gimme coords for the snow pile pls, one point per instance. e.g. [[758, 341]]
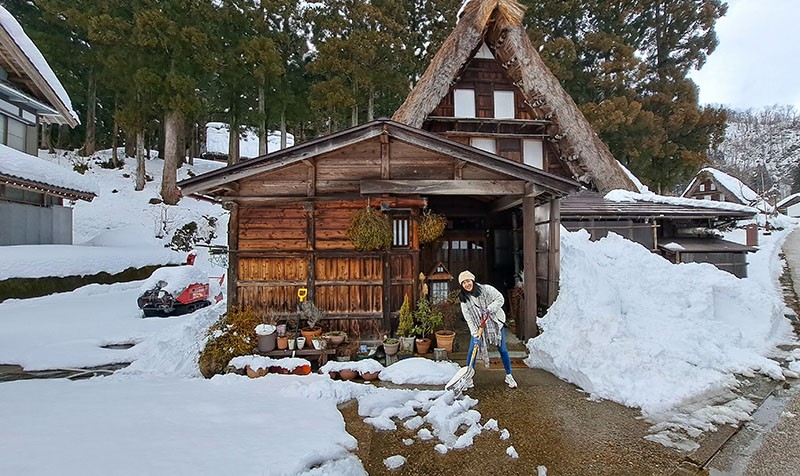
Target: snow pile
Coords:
[[360, 366], [394, 462], [419, 371], [258, 362], [631, 327]]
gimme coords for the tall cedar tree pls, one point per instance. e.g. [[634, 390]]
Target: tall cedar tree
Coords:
[[626, 63]]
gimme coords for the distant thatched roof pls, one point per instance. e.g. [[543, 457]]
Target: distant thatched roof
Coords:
[[498, 23]]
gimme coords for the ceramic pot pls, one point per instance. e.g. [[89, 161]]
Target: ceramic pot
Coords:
[[370, 375], [347, 374], [291, 343], [301, 342], [319, 344], [282, 342], [423, 345], [444, 340], [335, 339], [309, 332], [391, 349], [266, 343], [407, 343]]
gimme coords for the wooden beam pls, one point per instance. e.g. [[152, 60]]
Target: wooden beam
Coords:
[[233, 256], [385, 154], [505, 203], [529, 327], [444, 187]]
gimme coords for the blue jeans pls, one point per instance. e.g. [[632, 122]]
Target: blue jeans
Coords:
[[500, 348]]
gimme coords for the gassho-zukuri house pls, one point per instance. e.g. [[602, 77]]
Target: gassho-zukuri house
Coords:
[[487, 138]]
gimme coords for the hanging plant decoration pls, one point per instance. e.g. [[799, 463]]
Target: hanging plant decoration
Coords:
[[370, 230], [431, 227]]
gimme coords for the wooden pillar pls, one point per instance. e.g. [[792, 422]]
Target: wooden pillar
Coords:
[[233, 253], [554, 252], [529, 327], [387, 290]]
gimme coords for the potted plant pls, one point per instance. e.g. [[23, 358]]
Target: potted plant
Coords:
[[319, 341], [391, 345], [450, 308], [312, 315], [427, 318], [405, 329], [335, 337]]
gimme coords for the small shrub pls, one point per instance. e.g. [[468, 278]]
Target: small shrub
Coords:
[[80, 165], [406, 326], [231, 336], [187, 236]]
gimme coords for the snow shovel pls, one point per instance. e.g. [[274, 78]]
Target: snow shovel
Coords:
[[463, 377]]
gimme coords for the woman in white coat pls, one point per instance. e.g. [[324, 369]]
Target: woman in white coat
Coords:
[[476, 300]]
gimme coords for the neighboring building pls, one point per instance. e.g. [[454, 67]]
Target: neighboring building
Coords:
[[715, 185], [32, 191], [680, 229], [790, 205]]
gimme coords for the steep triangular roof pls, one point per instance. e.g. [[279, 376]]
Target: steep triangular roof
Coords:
[[735, 188], [498, 23]]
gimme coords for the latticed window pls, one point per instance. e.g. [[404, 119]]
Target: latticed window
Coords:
[[400, 231]]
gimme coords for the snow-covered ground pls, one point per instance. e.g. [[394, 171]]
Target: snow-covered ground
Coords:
[[627, 327]]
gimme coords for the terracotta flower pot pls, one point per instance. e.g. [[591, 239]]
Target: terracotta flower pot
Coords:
[[255, 373], [423, 345], [370, 375], [444, 340], [348, 374], [335, 339], [309, 332], [282, 342]]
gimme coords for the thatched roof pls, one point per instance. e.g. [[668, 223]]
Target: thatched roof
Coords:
[[498, 23]]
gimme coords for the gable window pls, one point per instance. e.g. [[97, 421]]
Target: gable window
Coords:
[[711, 186], [484, 52], [464, 100], [533, 153], [484, 143], [702, 187], [504, 105]]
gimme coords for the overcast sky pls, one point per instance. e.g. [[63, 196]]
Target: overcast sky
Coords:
[[757, 62]]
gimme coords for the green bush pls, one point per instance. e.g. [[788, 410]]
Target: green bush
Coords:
[[232, 335]]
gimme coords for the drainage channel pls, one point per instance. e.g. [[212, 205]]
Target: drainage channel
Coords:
[[10, 373]]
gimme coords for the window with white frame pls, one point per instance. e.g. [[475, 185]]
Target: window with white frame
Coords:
[[464, 102], [504, 105], [533, 153], [484, 143]]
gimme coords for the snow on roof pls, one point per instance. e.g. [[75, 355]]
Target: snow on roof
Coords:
[[28, 167], [217, 140], [736, 186], [791, 198], [639, 185], [29, 49], [628, 196]]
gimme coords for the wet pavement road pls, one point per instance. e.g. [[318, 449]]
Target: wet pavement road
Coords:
[[551, 422]]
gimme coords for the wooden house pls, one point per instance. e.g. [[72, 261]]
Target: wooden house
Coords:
[[790, 205], [290, 212], [717, 186], [34, 194]]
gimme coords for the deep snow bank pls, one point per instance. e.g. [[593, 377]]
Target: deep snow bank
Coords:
[[631, 327]]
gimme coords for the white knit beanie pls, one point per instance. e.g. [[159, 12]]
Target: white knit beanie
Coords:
[[465, 275]]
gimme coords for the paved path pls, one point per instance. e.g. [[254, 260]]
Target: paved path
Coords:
[[768, 445]]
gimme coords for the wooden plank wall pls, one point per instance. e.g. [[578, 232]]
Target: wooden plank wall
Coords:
[[276, 257]]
